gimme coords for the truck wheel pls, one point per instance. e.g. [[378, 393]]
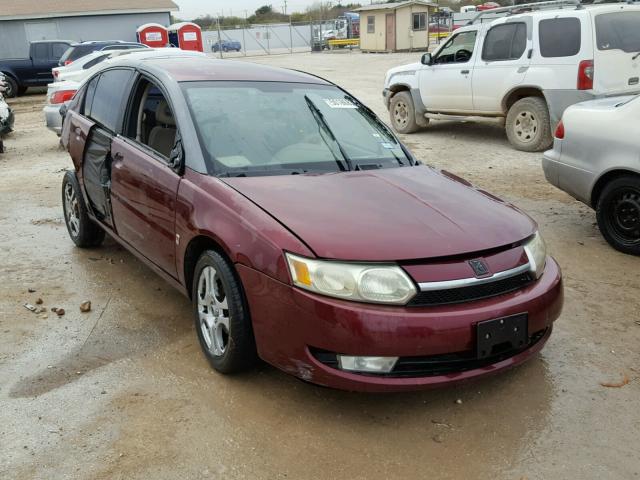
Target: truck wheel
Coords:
[[618, 214], [221, 315], [403, 115], [528, 125], [82, 230], [12, 87]]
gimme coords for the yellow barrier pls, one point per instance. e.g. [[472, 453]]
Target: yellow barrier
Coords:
[[342, 42]]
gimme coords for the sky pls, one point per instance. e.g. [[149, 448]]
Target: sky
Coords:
[[190, 9]]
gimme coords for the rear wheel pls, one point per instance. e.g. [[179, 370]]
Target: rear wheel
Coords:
[[618, 214], [83, 231], [402, 113], [528, 125], [11, 87], [222, 317]]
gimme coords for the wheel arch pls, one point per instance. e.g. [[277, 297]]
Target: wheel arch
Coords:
[[195, 248], [518, 93], [607, 177]]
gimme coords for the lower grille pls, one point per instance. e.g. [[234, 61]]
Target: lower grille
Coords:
[[472, 292], [433, 365]]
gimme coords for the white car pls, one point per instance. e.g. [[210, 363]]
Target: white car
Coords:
[[61, 92], [596, 159], [525, 67]]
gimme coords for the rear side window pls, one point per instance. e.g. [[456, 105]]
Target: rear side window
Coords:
[[88, 99], [110, 93], [505, 42], [618, 31], [560, 37], [95, 61], [41, 51]]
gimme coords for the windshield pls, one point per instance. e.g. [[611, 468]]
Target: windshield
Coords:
[[618, 31], [272, 128]]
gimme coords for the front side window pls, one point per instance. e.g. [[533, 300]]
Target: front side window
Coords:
[[371, 24], [151, 121], [505, 42], [270, 128], [618, 31], [419, 21], [559, 37], [458, 49], [110, 93]]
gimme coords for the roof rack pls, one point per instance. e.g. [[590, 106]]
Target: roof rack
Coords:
[[526, 7]]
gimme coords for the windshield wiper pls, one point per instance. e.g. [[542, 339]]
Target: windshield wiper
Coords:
[[324, 129], [635, 56]]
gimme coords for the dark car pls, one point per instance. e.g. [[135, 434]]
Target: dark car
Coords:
[[303, 231], [79, 50], [226, 46], [35, 71]]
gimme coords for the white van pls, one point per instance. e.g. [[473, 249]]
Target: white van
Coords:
[[526, 67]]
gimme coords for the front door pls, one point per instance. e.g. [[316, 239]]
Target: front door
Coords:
[[445, 85], [390, 32], [143, 185]]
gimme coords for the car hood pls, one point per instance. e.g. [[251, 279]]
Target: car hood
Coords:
[[386, 215], [409, 69]]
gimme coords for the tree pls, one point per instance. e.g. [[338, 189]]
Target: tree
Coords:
[[264, 10]]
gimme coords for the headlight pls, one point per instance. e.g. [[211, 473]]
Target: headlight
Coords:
[[536, 250], [374, 283]]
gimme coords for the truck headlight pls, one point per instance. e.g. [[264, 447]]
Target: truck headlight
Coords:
[[375, 283], [536, 251]]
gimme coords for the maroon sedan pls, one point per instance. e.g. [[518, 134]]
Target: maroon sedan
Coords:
[[303, 231]]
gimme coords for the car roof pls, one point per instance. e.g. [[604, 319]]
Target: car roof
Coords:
[[202, 68]]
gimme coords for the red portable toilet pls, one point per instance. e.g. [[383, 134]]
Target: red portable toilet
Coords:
[[153, 35], [186, 35]]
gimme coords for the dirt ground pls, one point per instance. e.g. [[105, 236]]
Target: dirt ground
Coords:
[[123, 392]]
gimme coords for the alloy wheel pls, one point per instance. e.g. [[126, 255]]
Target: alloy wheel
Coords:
[[213, 311], [71, 210]]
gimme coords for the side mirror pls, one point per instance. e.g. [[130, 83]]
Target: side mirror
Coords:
[[426, 59], [176, 157]]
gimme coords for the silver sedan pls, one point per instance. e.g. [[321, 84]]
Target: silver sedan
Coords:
[[596, 159]]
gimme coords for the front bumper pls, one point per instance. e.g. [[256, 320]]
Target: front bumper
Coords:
[[289, 323], [53, 118]]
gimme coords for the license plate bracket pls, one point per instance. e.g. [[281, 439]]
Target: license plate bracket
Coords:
[[501, 334]]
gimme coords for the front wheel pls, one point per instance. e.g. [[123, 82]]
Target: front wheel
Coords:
[[83, 231], [12, 88], [402, 113], [528, 125], [618, 214], [221, 315]]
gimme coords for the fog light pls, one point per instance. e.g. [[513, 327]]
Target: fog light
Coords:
[[367, 364]]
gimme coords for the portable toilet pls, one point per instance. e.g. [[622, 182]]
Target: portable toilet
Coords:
[[186, 35], [153, 35]]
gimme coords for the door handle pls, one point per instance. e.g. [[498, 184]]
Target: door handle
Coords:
[[78, 131], [464, 72], [118, 157]]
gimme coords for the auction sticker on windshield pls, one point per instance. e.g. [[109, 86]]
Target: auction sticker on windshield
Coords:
[[339, 103]]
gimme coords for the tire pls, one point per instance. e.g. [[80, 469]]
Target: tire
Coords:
[[528, 125], [84, 232], [618, 214], [221, 315], [12, 87], [402, 113], [225, 49]]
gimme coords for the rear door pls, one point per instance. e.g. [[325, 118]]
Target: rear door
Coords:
[[616, 62], [502, 63], [144, 186]]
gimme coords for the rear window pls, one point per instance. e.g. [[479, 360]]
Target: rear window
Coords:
[[560, 37], [58, 49], [618, 31], [505, 42], [41, 50], [109, 95], [81, 51]]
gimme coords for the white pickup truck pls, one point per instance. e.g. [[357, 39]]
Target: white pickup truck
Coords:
[[526, 66]]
